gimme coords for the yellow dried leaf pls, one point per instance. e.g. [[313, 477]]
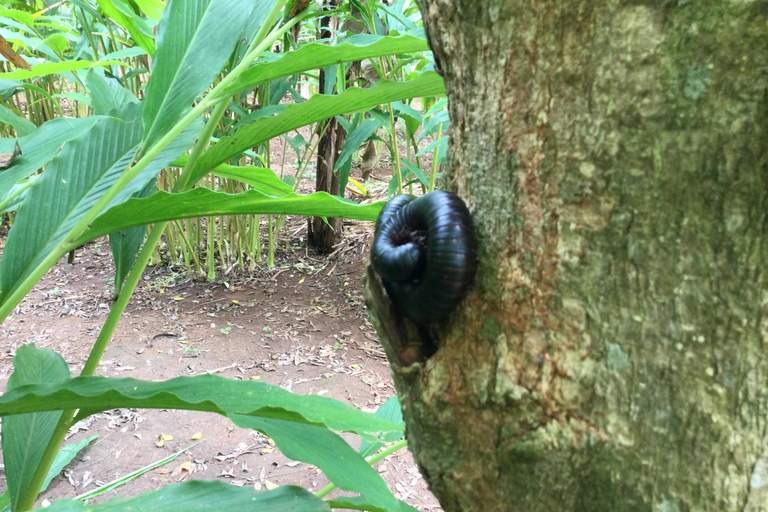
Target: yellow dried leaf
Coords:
[[166, 437], [267, 450], [197, 435], [186, 466], [160, 443], [270, 485]]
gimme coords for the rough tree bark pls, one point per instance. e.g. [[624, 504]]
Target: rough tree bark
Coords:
[[324, 235], [612, 354]]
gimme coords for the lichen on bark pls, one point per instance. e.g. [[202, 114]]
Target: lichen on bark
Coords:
[[611, 356]]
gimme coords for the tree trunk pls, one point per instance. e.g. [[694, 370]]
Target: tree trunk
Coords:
[[324, 235], [612, 353]]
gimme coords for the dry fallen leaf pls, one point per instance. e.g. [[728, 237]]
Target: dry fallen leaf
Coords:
[[270, 485], [197, 435], [186, 466]]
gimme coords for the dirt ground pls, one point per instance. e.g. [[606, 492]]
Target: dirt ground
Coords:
[[301, 325]]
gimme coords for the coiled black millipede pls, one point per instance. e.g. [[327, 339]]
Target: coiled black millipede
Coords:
[[424, 251]]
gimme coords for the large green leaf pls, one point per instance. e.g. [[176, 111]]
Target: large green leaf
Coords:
[[200, 393], [20, 124], [319, 55], [57, 199], [74, 180], [194, 40], [125, 244], [202, 202], [322, 448], [260, 178], [40, 146], [315, 109], [390, 411], [128, 24], [152, 8], [204, 496], [52, 68], [106, 94], [26, 436]]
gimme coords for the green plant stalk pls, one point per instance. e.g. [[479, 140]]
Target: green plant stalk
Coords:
[[210, 226], [418, 161], [373, 460], [396, 151], [89, 34], [435, 155], [301, 169], [271, 253], [28, 500], [256, 238], [189, 249], [65, 421], [16, 194], [66, 245]]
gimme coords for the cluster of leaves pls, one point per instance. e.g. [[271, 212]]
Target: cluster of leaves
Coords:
[[100, 177]]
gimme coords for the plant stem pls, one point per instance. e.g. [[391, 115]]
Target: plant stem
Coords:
[[435, 156], [28, 500], [212, 99], [396, 149], [373, 460]]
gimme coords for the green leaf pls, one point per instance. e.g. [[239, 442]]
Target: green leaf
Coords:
[[202, 202], [64, 457], [194, 40], [26, 436], [73, 181], [20, 124], [54, 68], [360, 503], [322, 448], [260, 178], [128, 24], [152, 8], [315, 109], [204, 496], [199, 393], [125, 244], [12, 200], [40, 146], [390, 411], [352, 143], [319, 55], [413, 168], [107, 95], [63, 193]]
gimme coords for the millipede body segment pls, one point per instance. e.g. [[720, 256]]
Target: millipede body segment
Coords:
[[424, 251]]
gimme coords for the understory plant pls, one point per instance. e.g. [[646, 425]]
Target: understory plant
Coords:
[[99, 178]]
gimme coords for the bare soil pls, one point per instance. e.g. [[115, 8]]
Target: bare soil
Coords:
[[301, 325]]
